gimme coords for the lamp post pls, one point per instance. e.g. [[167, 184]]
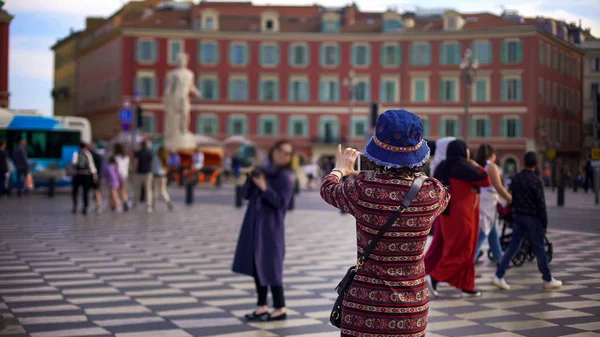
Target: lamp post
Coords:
[[350, 84], [468, 68]]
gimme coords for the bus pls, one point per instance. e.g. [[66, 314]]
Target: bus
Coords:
[[50, 144]]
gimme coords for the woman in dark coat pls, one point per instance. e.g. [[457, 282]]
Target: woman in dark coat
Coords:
[[261, 244]]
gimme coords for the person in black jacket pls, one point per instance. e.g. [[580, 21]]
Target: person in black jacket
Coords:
[[21, 161], [529, 219], [96, 183]]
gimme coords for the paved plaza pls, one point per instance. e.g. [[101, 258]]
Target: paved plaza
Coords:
[[168, 274]]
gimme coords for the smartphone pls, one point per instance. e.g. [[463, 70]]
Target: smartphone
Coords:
[[363, 164]]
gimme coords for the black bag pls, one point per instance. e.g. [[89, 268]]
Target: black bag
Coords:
[[336, 313]]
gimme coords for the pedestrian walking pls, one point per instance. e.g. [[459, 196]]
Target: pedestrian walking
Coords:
[[123, 168], [113, 181], [160, 166], [174, 166], [529, 220], [261, 244], [97, 183], [388, 296], [143, 178], [434, 253], [198, 163], [4, 169], [21, 162], [460, 221], [589, 175], [85, 175], [488, 202]]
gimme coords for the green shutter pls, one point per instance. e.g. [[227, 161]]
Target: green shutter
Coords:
[[276, 52], [276, 91], [519, 90], [488, 127], [322, 91], [216, 90], [504, 55], [413, 58], [428, 54], [153, 51], [368, 56], [291, 97], [382, 55], [519, 127], [457, 128], [398, 55], [337, 55], [490, 54], [457, 52], [503, 90], [442, 127], [216, 52], [322, 57], [443, 54], [261, 90], [307, 54], [368, 93], [231, 58], [382, 93], [138, 51], [246, 52], [336, 93], [472, 127], [475, 49], [480, 91], [519, 51], [426, 128], [420, 91], [262, 54], [291, 54], [442, 91], [304, 92], [353, 55], [452, 91], [503, 127]]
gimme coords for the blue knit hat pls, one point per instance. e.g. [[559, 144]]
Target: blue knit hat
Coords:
[[398, 141]]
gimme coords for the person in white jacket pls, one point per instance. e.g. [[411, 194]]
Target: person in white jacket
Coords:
[[123, 168], [85, 174]]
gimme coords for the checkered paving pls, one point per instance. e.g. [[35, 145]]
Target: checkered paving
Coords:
[[168, 274]]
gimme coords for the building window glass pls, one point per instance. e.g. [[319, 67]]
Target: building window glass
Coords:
[[208, 53], [238, 54], [359, 128], [268, 126], [298, 127], [391, 55], [388, 91], [146, 86], [209, 24], [512, 90], [480, 91], [482, 52], [329, 91], [269, 55], [209, 89], [175, 48], [148, 122], [449, 127], [329, 130], [238, 90], [420, 54], [207, 125], [511, 128], [269, 91], [361, 55], [146, 51], [237, 126], [330, 26], [298, 55], [512, 52], [420, 90], [362, 91], [298, 91], [448, 91], [541, 52], [595, 64], [450, 54], [480, 128], [392, 25], [330, 55]]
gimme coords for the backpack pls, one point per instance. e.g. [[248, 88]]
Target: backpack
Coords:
[[83, 162]]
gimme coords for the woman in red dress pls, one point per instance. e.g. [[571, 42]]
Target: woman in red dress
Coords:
[[460, 221], [389, 294]]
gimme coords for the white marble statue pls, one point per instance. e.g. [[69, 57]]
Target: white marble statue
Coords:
[[176, 99]]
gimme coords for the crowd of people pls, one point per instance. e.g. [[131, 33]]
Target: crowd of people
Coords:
[[96, 170], [460, 200]]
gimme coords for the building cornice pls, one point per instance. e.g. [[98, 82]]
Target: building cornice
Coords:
[[561, 42], [5, 17], [350, 37]]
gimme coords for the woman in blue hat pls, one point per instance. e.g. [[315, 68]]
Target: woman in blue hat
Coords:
[[389, 294]]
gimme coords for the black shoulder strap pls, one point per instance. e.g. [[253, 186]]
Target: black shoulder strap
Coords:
[[408, 198]]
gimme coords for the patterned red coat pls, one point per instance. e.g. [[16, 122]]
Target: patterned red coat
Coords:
[[389, 295]]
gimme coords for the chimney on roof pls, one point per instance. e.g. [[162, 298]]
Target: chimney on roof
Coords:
[[350, 14]]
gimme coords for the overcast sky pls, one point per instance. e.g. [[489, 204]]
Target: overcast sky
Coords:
[[39, 23]]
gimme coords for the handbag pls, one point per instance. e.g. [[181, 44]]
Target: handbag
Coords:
[[342, 288]]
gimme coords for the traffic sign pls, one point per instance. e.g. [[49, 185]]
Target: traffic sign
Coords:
[[551, 154], [125, 127], [596, 153], [126, 115]]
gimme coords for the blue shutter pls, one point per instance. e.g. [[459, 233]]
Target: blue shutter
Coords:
[[443, 54], [519, 127], [503, 90], [216, 53], [443, 127], [246, 53], [519, 90], [488, 128], [153, 51], [503, 127]]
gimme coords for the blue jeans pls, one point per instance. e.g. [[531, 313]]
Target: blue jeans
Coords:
[[493, 240], [532, 227]]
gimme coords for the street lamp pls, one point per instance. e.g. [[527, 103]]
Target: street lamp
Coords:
[[350, 84], [468, 68]]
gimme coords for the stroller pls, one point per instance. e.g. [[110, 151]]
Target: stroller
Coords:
[[505, 215]]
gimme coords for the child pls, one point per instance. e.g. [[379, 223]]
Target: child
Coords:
[[113, 181], [530, 219]]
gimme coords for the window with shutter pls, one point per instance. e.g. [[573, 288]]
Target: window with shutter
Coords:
[[146, 51], [269, 55], [362, 91], [175, 48], [207, 125], [238, 90], [419, 91]]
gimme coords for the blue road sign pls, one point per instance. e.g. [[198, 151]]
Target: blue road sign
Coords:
[[125, 127], [126, 115]]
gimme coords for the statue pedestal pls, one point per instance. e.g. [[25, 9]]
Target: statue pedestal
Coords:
[[185, 141]]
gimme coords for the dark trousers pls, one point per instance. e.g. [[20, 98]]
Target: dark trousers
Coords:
[[82, 181], [276, 291], [21, 176], [530, 226], [589, 181], [3, 189]]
